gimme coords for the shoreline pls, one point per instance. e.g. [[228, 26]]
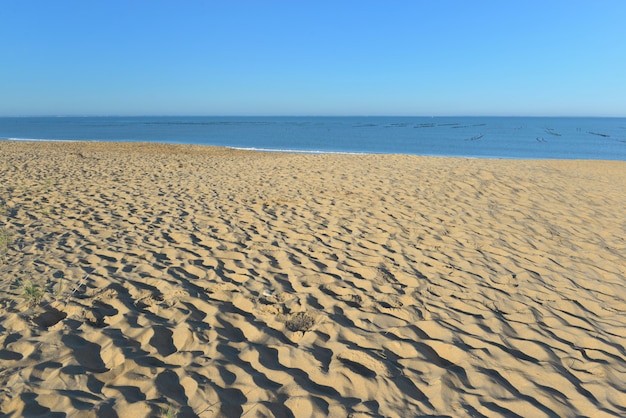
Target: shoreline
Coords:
[[295, 151], [203, 278]]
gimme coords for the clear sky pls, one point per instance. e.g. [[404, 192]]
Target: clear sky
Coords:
[[292, 57]]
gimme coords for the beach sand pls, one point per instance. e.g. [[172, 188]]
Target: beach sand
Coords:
[[217, 282]]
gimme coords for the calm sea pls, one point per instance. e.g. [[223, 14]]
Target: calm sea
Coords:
[[493, 137]]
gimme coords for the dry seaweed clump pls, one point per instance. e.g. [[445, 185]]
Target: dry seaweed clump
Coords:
[[300, 321]]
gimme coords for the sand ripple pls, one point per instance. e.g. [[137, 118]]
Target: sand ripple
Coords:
[[222, 283]]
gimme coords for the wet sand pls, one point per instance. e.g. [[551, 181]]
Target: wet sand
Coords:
[[215, 282]]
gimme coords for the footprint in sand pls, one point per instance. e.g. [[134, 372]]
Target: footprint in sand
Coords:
[[86, 353], [162, 340], [49, 318], [366, 365]]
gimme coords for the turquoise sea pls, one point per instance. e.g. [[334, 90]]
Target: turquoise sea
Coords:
[[492, 137]]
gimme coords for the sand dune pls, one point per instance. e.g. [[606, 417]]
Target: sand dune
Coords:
[[216, 282]]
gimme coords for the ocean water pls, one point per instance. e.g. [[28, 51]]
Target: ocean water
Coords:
[[490, 137]]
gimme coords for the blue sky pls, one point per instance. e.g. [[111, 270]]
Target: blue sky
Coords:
[[267, 57]]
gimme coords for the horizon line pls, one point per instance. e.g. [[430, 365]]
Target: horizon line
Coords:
[[300, 116]]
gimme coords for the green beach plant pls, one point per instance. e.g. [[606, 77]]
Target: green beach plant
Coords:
[[170, 412], [59, 288], [5, 241], [32, 292]]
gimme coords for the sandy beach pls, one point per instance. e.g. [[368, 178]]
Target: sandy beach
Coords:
[[141, 280]]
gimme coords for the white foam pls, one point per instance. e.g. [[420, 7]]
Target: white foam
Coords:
[[40, 140], [294, 151]]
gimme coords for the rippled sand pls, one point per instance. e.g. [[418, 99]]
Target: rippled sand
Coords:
[[216, 282]]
